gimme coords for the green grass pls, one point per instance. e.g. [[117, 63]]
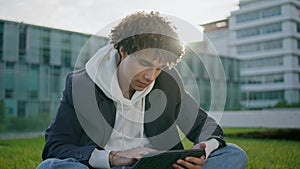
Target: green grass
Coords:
[[262, 153], [232, 131], [21, 153], [270, 154]]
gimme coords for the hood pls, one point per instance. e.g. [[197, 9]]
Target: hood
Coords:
[[102, 69]]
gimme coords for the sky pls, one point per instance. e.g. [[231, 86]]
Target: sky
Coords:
[[90, 16]]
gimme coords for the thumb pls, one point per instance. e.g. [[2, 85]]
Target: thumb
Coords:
[[203, 145]]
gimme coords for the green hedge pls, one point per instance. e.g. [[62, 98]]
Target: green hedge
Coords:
[[25, 124]]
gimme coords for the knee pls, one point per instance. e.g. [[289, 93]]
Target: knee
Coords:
[[47, 164], [54, 163], [239, 155]]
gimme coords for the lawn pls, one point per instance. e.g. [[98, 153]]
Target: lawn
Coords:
[[262, 153]]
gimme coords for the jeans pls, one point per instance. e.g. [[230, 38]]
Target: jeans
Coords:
[[229, 157]]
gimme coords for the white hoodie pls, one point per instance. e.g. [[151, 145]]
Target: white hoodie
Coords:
[[128, 131]]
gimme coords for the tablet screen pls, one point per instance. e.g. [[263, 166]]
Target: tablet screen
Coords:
[[165, 159]]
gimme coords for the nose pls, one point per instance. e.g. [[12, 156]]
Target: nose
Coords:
[[150, 74]]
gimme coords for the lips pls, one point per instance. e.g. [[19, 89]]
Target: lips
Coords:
[[142, 84]]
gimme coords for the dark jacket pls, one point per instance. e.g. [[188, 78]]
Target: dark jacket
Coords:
[[66, 137]]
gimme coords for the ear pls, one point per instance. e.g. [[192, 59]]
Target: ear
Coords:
[[122, 52]]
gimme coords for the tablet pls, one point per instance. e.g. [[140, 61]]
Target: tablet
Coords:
[[165, 159]]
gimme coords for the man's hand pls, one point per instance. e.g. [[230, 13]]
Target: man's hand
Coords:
[[191, 162], [128, 157]]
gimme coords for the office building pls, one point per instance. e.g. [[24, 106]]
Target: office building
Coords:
[[34, 61], [212, 71], [264, 36]]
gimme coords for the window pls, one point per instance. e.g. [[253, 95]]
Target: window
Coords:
[[264, 62], [248, 48], [265, 29], [298, 12], [45, 53], [44, 108], [259, 14], [22, 42], [45, 46], [56, 79], [274, 44], [9, 80], [34, 81], [248, 17], [263, 79], [21, 108], [66, 40], [266, 13], [271, 28], [248, 32], [66, 58], [1, 39], [255, 47], [66, 49], [268, 95]]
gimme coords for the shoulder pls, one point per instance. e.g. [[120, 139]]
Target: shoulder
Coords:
[[78, 80], [170, 79], [78, 75], [170, 83]]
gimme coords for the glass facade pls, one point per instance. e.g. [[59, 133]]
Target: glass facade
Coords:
[[33, 78], [1, 39], [259, 14], [9, 80], [262, 62], [45, 46], [204, 80], [260, 46], [22, 42], [263, 95], [260, 30], [264, 36], [33, 82], [263, 79]]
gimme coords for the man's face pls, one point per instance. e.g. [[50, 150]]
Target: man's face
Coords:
[[141, 68]]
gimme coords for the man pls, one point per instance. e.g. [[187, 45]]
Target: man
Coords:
[[128, 101]]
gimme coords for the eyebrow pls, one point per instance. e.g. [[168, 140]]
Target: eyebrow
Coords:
[[148, 63]]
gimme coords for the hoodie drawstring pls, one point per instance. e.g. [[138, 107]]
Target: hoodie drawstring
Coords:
[[122, 108], [142, 121]]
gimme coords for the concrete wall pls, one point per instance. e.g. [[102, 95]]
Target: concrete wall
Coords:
[[271, 118]]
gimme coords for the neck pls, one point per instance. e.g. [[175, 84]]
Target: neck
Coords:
[[124, 84]]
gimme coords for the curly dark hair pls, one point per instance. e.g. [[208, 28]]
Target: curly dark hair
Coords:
[[142, 30]]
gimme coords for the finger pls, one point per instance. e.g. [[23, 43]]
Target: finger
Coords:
[[187, 164], [176, 166], [196, 160], [202, 145]]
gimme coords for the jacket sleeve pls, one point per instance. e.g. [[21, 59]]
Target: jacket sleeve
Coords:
[[194, 121], [65, 134], [204, 127]]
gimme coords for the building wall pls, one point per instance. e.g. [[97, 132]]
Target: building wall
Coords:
[[209, 68], [261, 61], [264, 35], [34, 61], [217, 35]]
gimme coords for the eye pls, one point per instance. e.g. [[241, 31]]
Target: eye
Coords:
[[145, 63], [159, 69]]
